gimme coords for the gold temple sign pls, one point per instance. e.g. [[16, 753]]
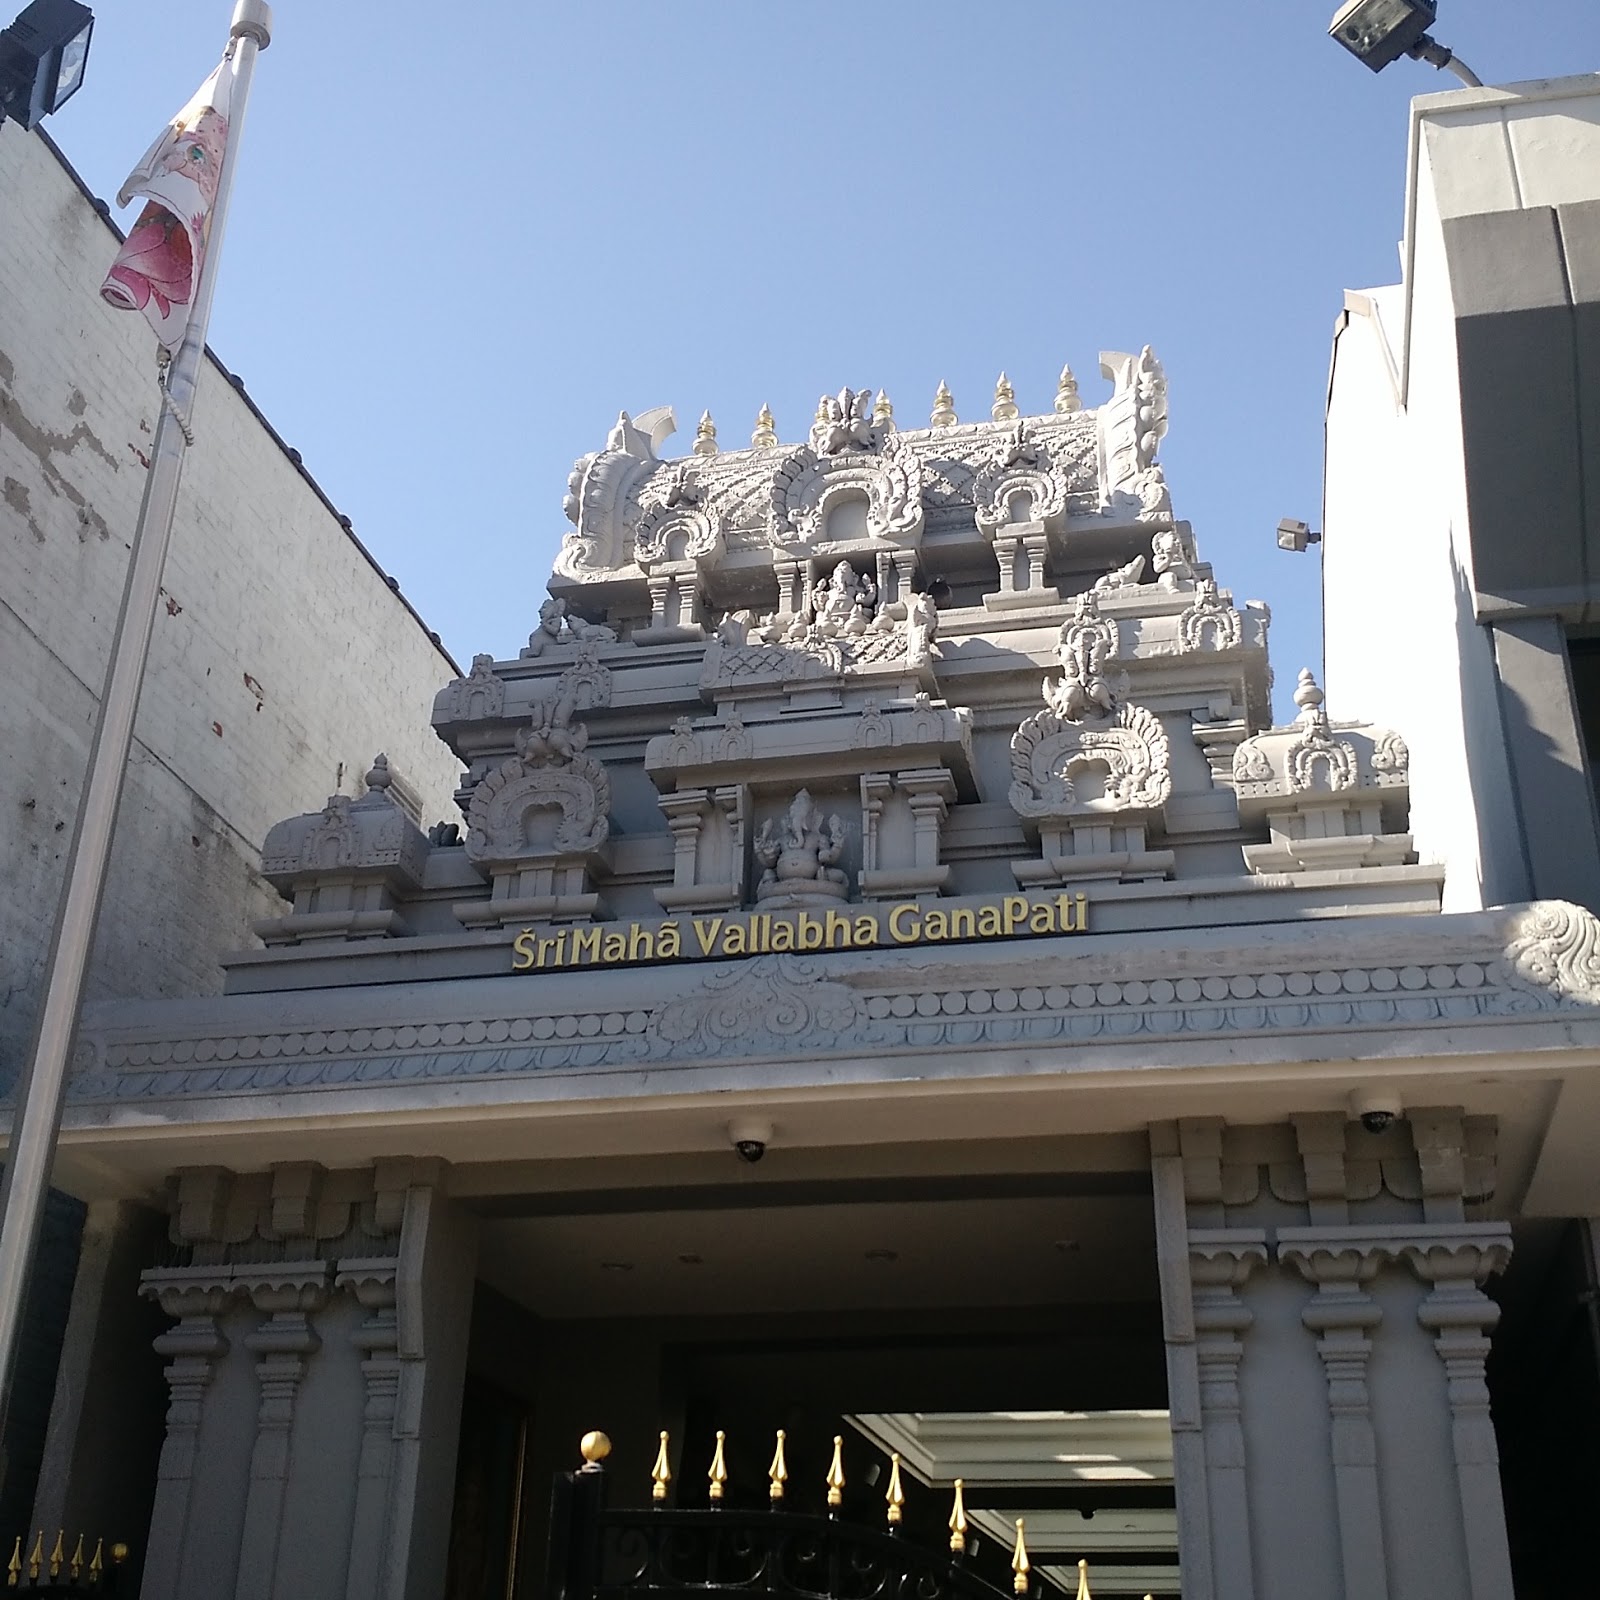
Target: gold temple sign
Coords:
[[908, 922]]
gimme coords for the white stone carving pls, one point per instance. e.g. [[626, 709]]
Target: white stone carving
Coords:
[[1127, 753], [807, 486], [1018, 482], [679, 526], [549, 773], [1123, 577], [1209, 624], [1170, 559], [844, 422], [1554, 950], [1088, 642], [799, 857], [556, 627], [479, 695]]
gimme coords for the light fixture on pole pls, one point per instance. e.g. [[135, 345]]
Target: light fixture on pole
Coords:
[[1380, 31], [42, 57], [1296, 536]]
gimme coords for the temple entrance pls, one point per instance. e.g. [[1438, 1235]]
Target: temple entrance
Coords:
[[1003, 1329]]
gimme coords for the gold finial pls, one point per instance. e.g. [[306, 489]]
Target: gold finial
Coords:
[[14, 1566], [705, 436], [119, 1554], [896, 1495], [766, 434], [96, 1564], [1083, 1582], [719, 1468], [835, 1478], [36, 1559], [1067, 398], [661, 1473], [77, 1558], [778, 1472], [59, 1553], [944, 407], [1020, 1565], [594, 1447], [1004, 408], [822, 409], [883, 411], [958, 1522]]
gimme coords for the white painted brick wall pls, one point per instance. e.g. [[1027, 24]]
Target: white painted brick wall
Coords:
[[280, 658]]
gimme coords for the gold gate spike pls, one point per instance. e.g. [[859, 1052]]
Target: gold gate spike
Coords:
[[77, 1559], [96, 1565], [14, 1566], [835, 1479], [1083, 1582], [1020, 1565], [59, 1554], [958, 1522], [36, 1560], [661, 1473], [719, 1468], [896, 1495], [778, 1472]]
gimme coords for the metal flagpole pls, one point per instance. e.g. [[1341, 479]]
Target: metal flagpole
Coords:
[[38, 1115]]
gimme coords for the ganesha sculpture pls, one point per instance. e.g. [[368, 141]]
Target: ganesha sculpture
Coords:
[[799, 857]]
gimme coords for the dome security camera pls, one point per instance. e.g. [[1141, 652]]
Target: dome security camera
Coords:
[[749, 1136], [1374, 1109]]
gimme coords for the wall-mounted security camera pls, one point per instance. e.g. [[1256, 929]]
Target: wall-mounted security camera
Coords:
[[750, 1137], [1374, 1109]]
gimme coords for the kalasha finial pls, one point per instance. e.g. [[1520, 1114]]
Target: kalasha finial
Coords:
[[1068, 399], [1020, 1565], [835, 1479], [896, 1497], [944, 407], [594, 1447], [661, 1473], [766, 434], [958, 1521], [1308, 696], [705, 436], [883, 411], [719, 1467], [379, 778], [778, 1472], [1004, 408]]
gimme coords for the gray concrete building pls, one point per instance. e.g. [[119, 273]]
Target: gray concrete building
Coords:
[[899, 1039]]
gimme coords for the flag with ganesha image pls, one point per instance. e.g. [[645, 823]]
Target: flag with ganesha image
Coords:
[[158, 265]]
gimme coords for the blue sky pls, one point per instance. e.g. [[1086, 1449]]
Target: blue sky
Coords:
[[463, 237]]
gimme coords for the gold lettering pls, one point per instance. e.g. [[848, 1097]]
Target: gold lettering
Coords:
[[1083, 912], [734, 941], [585, 943], [809, 933], [641, 943], [900, 933], [759, 934], [838, 922], [616, 947], [550, 945], [707, 933], [866, 929], [963, 923], [669, 943], [1013, 912], [561, 949], [1064, 911], [989, 922], [783, 935], [525, 955], [1042, 919], [935, 925]]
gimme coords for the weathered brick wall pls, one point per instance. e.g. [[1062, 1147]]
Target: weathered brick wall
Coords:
[[281, 661]]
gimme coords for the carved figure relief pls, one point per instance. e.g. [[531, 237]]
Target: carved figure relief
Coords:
[[1126, 757], [1087, 644], [557, 627], [1018, 482], [807, 486], [799, 857], [550, 799], [844, 422], [1170, 560], [1208, 624], [478, 695]]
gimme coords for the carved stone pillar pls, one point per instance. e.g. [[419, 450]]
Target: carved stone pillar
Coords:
[[196, 1297], [1341, 1262], [1034, 545], [372, 1282], [1453, 1262], [793, 591], [284, 1343], [1219, 1264], [660, 588]]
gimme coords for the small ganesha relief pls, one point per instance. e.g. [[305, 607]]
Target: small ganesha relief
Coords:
[[799, 858]]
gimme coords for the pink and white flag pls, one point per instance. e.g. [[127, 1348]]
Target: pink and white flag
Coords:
[[157, 267]]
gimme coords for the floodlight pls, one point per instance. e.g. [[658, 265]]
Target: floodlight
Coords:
[[1380, 31], [1296, 536], [42, 58]]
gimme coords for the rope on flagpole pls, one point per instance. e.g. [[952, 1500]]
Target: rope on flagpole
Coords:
[[168, 404]]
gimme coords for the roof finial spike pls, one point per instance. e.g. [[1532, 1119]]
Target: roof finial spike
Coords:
[[958, 1521], [1308, 696], [883, 411], [766, 434], [944, 407], [719, 1467], [778, 1472], [705, 436], [1005, 401], [835, 1478], [896, 1497], [1068, 399], [1083, 1582], [1020, 1565], [661, 1473]]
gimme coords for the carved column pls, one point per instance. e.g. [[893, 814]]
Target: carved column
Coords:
[[1005, 554], [284, 1343], [659, 587], [685, 813], [1219, 1264], [196, 1297], [372, 1282], [1460, 1316], [1034, 544], [1340, 1263]]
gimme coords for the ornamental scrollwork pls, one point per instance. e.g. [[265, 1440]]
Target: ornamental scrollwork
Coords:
[[1129, 754], [1018, 475], [806, 486]]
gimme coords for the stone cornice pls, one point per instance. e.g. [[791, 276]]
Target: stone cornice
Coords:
[[1409, 986]]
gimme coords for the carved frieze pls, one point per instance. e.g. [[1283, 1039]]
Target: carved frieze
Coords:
[[806, 487], [1018, 482], [1126, 756], [550, 799], [1209, 624]]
